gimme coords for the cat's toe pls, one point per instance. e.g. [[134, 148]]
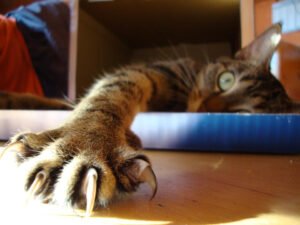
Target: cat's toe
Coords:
[[20, 151], [39, 174], [27, 145], [135, 171], [87, 183]]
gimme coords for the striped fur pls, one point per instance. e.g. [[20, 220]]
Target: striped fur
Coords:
[[255, 90], [97, 134]]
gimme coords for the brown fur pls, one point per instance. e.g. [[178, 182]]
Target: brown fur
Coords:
[[11, 100], [97, 134]]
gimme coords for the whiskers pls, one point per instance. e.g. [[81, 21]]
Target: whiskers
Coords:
[[163, 54], [185, 70], [189, 73], [205, 56]]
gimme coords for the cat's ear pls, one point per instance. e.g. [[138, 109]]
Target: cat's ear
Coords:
[[260, 51]]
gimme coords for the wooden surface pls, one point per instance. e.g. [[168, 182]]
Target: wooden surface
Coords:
[[195, 188]]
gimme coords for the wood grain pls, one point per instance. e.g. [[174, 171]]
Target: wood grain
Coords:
[[201, 188]]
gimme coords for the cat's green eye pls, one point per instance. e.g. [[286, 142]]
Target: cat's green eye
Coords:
[[226, 81]]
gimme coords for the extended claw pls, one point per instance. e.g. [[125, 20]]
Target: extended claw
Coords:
[[147, 175], [2, 152], [91, 190], [7, 148], [36, 185]]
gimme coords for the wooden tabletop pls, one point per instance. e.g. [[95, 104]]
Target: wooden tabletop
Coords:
[[195, 188]]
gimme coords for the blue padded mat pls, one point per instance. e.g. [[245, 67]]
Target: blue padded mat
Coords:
[[263, 133], [212, 132]]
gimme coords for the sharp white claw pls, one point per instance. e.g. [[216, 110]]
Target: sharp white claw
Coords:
[[36, 185], [91, 189], [147, 175], [8, 148], [2, 152]]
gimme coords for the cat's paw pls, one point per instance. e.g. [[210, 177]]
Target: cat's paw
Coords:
[[62, 167]]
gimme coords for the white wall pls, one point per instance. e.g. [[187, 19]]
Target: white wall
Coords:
[[98, 50]]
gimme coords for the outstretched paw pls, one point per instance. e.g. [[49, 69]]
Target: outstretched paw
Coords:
[[53, 169]]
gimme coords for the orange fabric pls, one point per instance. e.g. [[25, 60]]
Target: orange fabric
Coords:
[[16, 70]]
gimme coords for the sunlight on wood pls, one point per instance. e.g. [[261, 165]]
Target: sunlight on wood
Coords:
[[116, 221], [267, 219], [15, 209], [194, 188], [36, 214]]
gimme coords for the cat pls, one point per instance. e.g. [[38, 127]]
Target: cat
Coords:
[[94, 156]]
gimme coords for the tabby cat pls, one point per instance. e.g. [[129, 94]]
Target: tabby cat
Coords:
[[94, 156]]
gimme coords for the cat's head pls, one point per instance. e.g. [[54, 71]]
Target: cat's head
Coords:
[[244, 83]]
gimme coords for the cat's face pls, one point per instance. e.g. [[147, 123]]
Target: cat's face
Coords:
[[244, 83], [238, 86]]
